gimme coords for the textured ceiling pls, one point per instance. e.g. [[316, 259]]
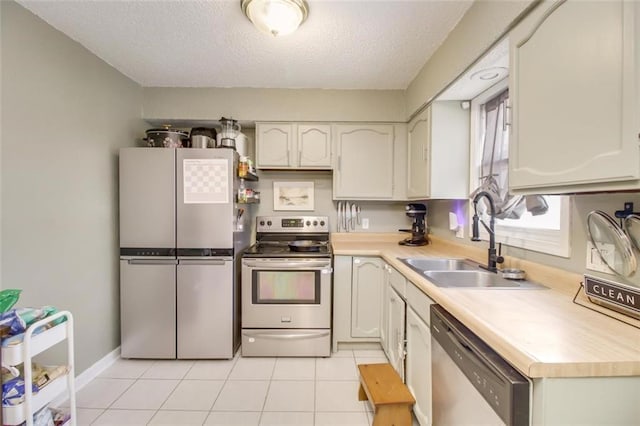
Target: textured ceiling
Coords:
[[366, 44]]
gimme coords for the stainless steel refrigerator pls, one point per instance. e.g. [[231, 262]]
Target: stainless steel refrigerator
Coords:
[[181, 236]]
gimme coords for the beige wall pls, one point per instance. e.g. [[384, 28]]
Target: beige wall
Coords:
[[484, 23], [206, 104], [65, 113], [383, 216]]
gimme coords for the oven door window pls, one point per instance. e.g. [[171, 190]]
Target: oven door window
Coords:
[[285, 287]]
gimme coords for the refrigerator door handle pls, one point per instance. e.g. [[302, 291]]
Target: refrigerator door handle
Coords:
[[203, 262], [152, 261]]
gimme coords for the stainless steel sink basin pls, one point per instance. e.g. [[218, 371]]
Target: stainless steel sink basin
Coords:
[[462, 273], [422, 264], [476, 279]]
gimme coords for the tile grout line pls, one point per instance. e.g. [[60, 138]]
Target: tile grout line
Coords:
[[315, 389], [226, 379], [266, 395], [104, 410]]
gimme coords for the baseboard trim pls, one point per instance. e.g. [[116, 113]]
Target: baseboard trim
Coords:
[[94, 371], [88, 375]]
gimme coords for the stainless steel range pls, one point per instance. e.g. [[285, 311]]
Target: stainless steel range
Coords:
[[286, 288]]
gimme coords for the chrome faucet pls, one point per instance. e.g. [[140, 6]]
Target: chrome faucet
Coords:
[[493, 258]]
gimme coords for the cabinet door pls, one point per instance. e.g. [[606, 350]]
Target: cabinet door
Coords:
[[274, 145], [448, 151], [314, 145], [396, 331], [384, 321], [418, 364], [364, 161], [418, 156], [366, 297], [342, 279], [572, 88]]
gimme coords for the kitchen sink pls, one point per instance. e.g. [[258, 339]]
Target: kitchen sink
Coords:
[[423, 264], [476, 279], [462, 273]]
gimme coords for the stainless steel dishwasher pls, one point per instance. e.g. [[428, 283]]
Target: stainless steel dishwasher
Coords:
[[471, 383]]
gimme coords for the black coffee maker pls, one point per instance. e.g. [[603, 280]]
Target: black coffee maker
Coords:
[[418, 227]]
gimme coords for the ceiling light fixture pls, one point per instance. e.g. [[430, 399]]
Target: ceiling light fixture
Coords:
[[489, 74], [276, 17]]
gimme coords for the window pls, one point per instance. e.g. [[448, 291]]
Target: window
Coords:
[[521, 223]]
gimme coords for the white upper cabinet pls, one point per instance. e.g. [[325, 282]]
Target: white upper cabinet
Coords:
[[419, 131], [274, 143], [293, 146], [314, 145], [574, 90], [438, 152], [364, 158]]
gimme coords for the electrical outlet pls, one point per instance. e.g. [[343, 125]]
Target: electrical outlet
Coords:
[[595, 263], [460, 232], [365, 223]]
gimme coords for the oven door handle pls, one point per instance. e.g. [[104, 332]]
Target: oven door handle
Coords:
[[293, 335], [280, 265]]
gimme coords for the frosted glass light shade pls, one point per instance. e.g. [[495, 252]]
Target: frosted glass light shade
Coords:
[[275, 17]]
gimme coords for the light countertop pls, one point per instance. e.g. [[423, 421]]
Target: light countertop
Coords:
[[541, 332]]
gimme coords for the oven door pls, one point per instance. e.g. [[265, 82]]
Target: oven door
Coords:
[[286, 293]]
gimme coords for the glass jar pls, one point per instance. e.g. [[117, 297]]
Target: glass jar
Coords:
[[243, 167]]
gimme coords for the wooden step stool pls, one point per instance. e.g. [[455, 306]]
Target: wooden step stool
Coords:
[[391, 399]]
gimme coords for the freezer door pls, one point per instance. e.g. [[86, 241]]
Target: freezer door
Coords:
[[206, 317], [148, 308], [147, 198], [206, 188]]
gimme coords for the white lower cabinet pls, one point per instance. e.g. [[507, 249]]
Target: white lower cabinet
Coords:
[[418, 358], [392, 326], [366, 296], [585, 401], [357, 299], [418, 373], [384, 320], [397, 308]]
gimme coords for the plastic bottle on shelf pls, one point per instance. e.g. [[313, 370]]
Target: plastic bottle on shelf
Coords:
[[242, 193]]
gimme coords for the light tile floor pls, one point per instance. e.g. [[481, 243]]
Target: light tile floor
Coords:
[[240, 391]]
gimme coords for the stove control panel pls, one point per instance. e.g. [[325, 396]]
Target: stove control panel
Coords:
[[292, 224]]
